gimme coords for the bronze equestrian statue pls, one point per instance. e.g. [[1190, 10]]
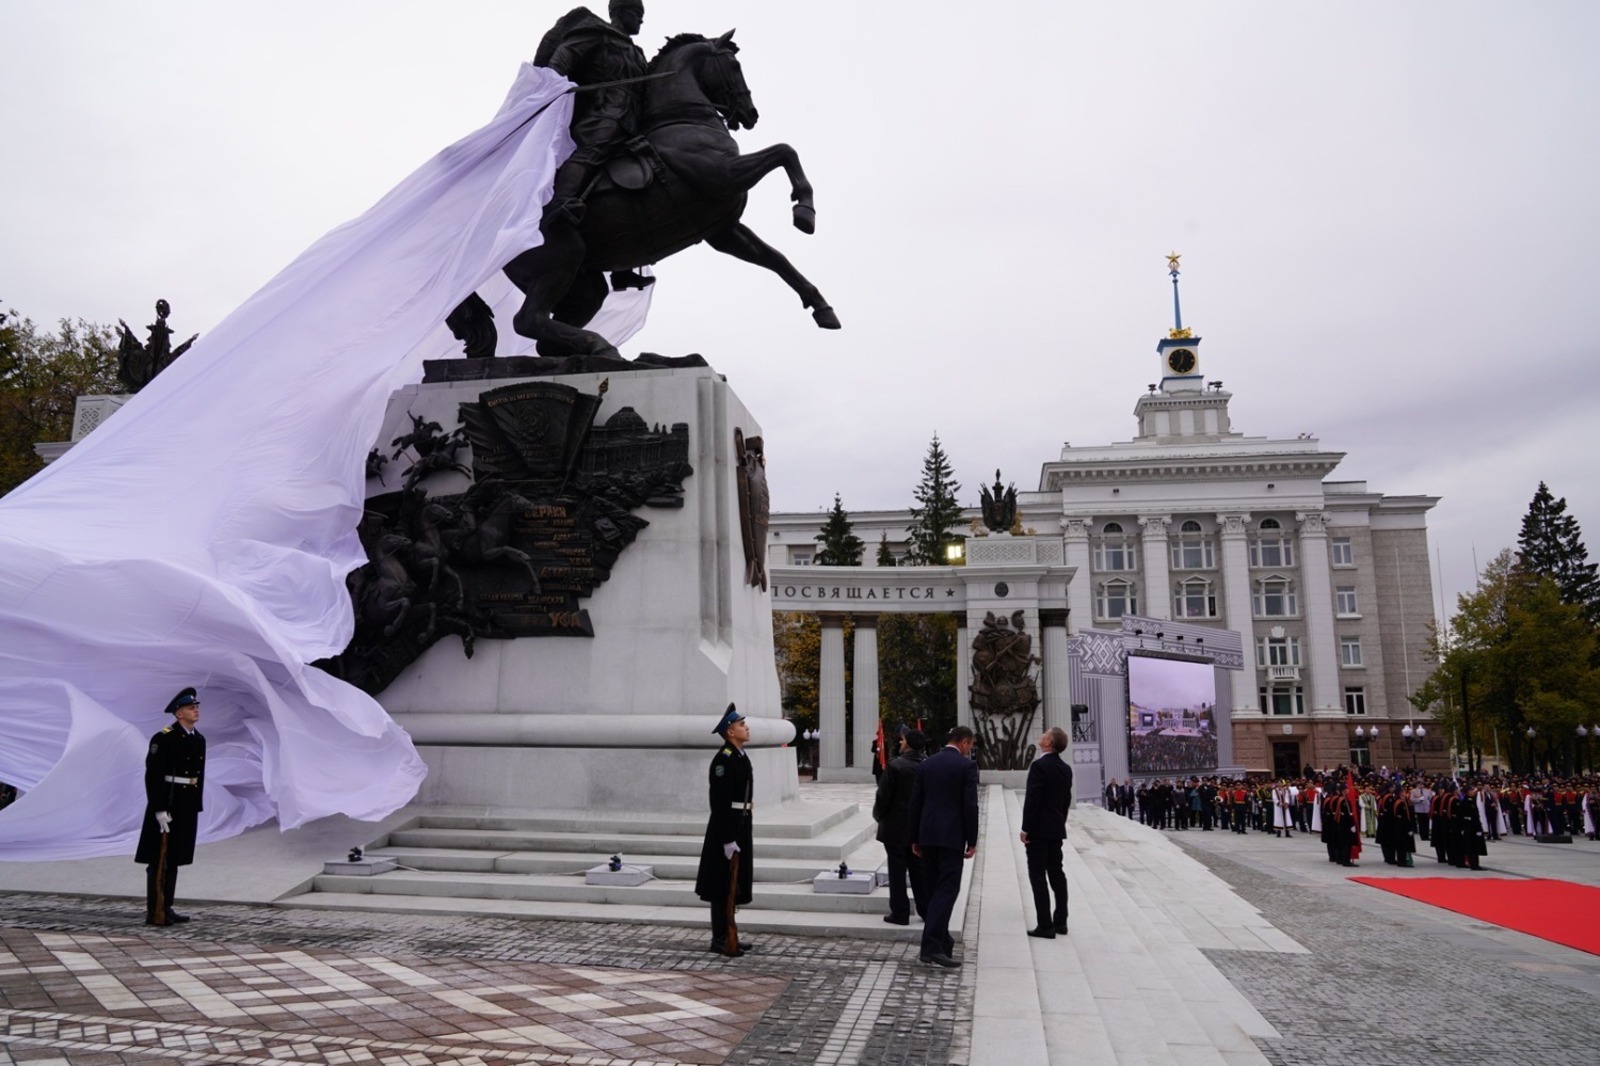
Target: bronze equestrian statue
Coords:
[[681, 182]]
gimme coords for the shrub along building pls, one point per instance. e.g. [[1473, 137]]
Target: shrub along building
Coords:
[[1327, 583]]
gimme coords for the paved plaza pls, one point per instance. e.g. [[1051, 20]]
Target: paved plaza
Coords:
[[1185, 948]]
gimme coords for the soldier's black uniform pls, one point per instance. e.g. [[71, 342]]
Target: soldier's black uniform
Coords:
[[174, 781], [732, 790]]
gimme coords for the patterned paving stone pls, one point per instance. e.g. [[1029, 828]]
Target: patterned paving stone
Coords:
[[83, 983]]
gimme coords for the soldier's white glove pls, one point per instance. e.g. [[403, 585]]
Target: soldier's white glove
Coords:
[[729, 848], [164, 820]]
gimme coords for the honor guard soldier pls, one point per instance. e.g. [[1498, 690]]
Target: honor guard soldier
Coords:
[[174, 784], [725, 878]]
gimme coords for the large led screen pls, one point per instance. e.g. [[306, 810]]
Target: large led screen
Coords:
[[1172, 724]]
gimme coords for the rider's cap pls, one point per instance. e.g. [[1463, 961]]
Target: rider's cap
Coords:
[[730, 716]]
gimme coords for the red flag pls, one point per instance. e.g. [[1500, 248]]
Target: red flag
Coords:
[[883, 756]]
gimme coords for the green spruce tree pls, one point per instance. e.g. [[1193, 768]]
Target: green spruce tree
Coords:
[[937, 513], [840, 546], [885, 556], [1551, 544]]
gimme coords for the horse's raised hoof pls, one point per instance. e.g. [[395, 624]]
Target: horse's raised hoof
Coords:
[[824, 316], [805, 218]]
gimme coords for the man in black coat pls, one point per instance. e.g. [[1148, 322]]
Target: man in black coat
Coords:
[[944, 816], [892, 811], [1044, 830], [725, 877], [174, 784]]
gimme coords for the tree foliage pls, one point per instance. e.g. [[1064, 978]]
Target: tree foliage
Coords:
[[937, 513], [917, 670], [840, 546], [1552, 544], [1515, 656], [885, 555], [41, 377]]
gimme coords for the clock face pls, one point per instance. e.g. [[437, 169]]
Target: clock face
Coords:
[[1181, 360]]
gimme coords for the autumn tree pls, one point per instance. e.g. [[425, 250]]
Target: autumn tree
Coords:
[[1513, 657], [41, 377]]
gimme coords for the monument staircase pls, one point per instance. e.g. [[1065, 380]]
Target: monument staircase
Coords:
[[531, 864]]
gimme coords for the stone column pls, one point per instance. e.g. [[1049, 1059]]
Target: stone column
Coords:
[[963, 674], [830, 694], [1157, 599], [864, 688], [1057, 704], [1080, 593], [1317, 604], [1237, 609]]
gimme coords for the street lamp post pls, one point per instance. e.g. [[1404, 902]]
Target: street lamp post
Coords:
[[1533, 760], [1411, 739]]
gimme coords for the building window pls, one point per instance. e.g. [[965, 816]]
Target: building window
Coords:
[[1344, 601], [1271, 546], [1350, 651], [1275, 598], [1194, 599], [1355, 701], [1283, 701], [1360, 752], [1192, 550], [1277, 651], [1116, 598], [1115, 551], [1342, 553], [801, 559]]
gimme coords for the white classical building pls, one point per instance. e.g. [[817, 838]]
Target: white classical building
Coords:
[[1327, 583]]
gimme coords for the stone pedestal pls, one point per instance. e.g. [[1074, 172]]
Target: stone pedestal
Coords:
[[621, 720]]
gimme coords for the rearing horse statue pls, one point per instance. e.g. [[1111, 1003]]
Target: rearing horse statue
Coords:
[[698, 193]]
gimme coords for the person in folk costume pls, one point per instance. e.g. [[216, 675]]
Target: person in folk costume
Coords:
[[1386, 825], [1439, 820], [174, 790], [1422, 806], [1511, 807], [1353, 798], [1591, 811], [1403, 838], [1489, 803], [1538, 818], [1282, 815], [726, 856], [1313, 799], [1466, 829], [1369, 812]]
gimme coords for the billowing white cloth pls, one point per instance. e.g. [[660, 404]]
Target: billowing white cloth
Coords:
[[203, 534]]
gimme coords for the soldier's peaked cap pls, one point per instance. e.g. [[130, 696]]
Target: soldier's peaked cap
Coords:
[[183, 699], [730, 716]]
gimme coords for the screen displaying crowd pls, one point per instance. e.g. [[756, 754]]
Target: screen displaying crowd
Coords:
[[1171, 715]]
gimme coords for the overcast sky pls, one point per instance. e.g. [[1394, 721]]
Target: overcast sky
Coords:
[[1387, 214]]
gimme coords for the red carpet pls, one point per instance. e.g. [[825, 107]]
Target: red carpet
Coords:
[[1552, 910]]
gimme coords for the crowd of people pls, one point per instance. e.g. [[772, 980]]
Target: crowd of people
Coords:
[[1457, 815]]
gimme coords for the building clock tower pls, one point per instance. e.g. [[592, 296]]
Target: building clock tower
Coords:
[[1183, 405], [1179, 351]]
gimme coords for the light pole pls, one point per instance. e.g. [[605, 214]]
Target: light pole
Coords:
[[1533, 760], [1411, 739]]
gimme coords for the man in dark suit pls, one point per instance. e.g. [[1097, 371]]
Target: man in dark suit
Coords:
[[892, 810], [174, 784], [944, 815], [1044, 829]]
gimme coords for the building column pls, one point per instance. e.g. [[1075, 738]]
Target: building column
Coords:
[[1317, 602], [1157, 551], [864, 688], [963, 674], [1057, 687], [1080, 591], [1237, 608], [830, 694]]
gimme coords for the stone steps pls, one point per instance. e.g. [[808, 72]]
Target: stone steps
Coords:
[[673, 867], [529, 864]]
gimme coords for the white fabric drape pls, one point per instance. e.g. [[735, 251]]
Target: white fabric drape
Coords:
[[203, 534]]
